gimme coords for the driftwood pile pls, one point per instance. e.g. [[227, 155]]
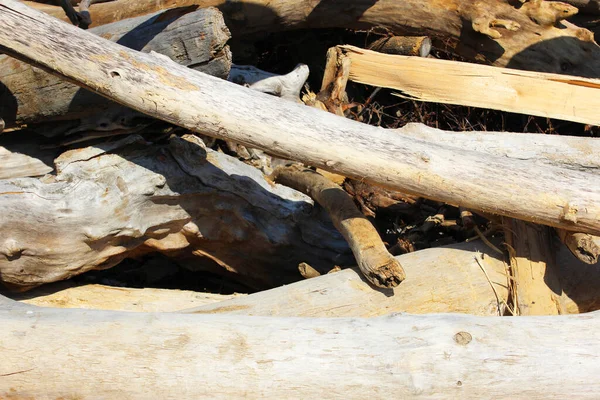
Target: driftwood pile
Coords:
[[140, 136]]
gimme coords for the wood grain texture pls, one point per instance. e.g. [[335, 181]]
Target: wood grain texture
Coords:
[[130, 197], [441, 81], [196, 40], [518, 188], [104, 354]]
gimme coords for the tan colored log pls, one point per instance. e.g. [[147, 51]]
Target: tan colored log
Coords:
[[441, 81], [196, 40], [439, 280], [110, 354], [494, 31], [475, 281], [536, 277], [101, 297], [375, 262], [518, 188], [403, 45], [583, 246]]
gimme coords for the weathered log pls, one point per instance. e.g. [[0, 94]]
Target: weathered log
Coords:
[[374, 261], [21, 158], [565, 151], [101, 297], [286, 86], [495, 31], [129, 197], [472, 274], [475, 281], [196, 40], [166, 90], [452, 82], [152, 355]]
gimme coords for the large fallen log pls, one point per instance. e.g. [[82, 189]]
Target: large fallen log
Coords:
[[462, 278], [128, 198], [196, 40], [495, 31], [474, 282], [441, 81], [518, 188], [165, 355]]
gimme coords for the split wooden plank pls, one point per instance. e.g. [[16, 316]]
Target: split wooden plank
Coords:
[[518, 188], [564, 97]]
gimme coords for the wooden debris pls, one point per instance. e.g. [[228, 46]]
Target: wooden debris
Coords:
[[495, 31], [452, 82], [533, 267], [164, 355], [403, 45], [571, 199], [583, 246], [374, 261], [128, 198], [34, 96]]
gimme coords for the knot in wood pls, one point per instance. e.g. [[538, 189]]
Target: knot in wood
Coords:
[[463, 338]]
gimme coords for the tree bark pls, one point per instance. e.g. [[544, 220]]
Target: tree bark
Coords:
[[549, 195], [91, 354], [476, 29], [196, 40]]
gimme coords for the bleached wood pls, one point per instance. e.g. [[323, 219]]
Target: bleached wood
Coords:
[[129, 197], [102, 297], [195, 40], [494, 31], [109, 354], [566, 151], [286, 86], [441, 81], [548, 195]]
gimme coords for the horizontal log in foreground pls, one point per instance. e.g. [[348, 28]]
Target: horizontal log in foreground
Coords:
[[71, 353], [517, 188]]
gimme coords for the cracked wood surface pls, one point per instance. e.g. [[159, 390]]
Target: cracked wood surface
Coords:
[[550, 195], [196, 40]]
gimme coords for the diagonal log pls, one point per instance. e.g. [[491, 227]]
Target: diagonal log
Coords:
[[517, 188]]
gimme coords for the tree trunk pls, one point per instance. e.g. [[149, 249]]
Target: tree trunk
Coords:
[[29, 95], [476, 29], [518, 188], [53, 353]]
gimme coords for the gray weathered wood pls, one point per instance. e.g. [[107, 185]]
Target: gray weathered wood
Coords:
[[517, 188], [196, 40], [129, 197]]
